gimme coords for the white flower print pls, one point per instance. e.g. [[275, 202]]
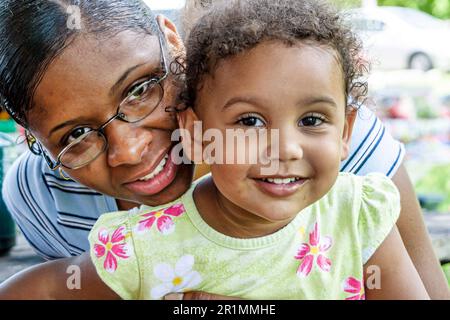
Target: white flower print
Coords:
[[180, 279]]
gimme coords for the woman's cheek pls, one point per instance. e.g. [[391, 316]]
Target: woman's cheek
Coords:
[[94, 177]]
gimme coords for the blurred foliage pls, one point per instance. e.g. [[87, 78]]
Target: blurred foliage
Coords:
[[446, 268], [436, 182], [424, 110], [438, 8], [347, 3]]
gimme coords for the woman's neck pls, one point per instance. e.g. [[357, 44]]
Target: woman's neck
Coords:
[[229, 219], [126, 205]]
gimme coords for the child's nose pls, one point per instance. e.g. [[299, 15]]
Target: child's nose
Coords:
[[290, 147], [127, 144]]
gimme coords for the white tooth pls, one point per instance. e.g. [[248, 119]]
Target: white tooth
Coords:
[[157, 170], [281, 181]]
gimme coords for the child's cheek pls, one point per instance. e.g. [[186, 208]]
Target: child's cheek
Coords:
[[230, 179]]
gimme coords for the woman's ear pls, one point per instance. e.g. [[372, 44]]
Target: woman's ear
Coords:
[[191, 134], [172, 36], [348, 130]]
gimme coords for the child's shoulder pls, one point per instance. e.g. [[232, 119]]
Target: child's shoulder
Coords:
[[367, 206], [351, 187], [355, 199]]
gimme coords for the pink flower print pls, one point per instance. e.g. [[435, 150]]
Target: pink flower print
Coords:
[[354, 287], [163, 218], [113, 247], [314, 250]]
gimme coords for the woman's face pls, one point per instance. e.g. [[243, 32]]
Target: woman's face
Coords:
[[83, 88]]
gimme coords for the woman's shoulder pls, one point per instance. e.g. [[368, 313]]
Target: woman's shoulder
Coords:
[[27, 166], [372, 149], [30, 184]]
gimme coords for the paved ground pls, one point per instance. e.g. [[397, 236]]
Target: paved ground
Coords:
[[23, 256], [439, 228]]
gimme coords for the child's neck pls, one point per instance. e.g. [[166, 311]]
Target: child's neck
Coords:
[[227, 218]]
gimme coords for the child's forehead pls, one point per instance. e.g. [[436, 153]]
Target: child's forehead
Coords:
[[274, 70], [265, 53], [272, 62]]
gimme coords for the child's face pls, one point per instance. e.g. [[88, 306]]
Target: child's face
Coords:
[[300, 92]]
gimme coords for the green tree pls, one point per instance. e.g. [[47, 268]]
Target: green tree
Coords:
[[437, 8]]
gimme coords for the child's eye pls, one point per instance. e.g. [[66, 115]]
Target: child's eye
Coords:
[[311, 121], [251, 121]]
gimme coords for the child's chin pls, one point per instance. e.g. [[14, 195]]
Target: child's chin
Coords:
[[276, 215]]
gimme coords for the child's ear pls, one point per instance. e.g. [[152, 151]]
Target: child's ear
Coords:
[[348, 130], [191, 140]]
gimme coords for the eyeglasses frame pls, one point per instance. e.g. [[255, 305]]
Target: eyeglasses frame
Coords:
[[32, 141]]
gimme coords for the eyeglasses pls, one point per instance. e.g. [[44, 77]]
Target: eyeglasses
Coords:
[[138, 105]]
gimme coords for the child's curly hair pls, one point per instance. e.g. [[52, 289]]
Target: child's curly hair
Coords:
[[228, 28]]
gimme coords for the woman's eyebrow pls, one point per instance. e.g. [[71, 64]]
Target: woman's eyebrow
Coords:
[[124, 76], [113, 89], [63, 125]]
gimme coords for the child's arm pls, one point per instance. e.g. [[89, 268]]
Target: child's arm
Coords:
[[398, 277], [51, 280]]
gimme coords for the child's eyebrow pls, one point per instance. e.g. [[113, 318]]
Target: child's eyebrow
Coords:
[[308, 101], [245, 99]]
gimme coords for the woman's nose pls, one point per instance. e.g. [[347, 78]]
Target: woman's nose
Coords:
[[127, 143]]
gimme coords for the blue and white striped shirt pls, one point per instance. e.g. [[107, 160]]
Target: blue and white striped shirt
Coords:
[[56, 215]]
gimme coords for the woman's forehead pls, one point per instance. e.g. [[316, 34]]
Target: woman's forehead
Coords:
[[99, 60], [86, 71]]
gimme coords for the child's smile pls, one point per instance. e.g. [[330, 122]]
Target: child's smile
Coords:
[[298, 92], [279, 186]]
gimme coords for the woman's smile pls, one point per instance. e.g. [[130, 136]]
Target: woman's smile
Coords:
[[155, 179]]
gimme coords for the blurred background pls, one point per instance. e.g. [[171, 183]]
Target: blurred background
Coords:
[[408, 45]]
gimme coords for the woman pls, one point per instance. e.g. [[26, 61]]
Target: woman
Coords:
[[67, 85]]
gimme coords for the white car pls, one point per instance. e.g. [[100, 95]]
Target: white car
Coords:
[[399, 38]]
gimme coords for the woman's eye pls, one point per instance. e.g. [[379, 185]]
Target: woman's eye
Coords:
[[75, 134], [251, 121], [311, 121], [139, 91]]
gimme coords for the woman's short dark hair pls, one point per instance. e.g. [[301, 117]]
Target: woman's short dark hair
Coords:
[[227, 28], [34, 32]]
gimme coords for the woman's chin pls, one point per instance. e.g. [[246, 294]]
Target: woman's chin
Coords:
[[175, 189]]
